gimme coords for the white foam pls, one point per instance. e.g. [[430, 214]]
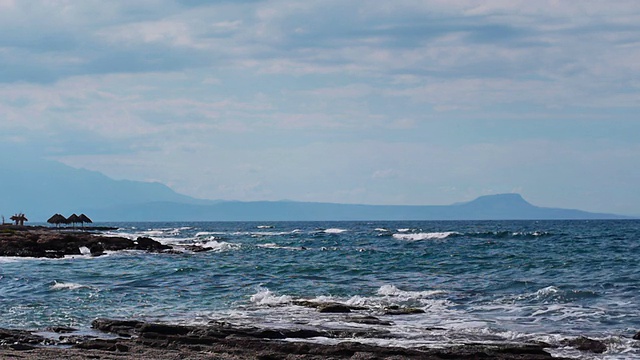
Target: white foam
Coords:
[[216, 245], [208, 233], [264, 296], [276, 246], [67, 286], [424, 236], [549, 290], [390, 290], [335, 231], [85, 250]]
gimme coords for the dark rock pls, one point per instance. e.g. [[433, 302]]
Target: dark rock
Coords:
[[318, 305], [8, 336], [637, 336], [40, 242], [334, 308], [164, 329], [148, 244], [21, 347], [98, 344], [368, 320], [119, 327], [585, 344], [403, 311], [62, 329], [96, 249], [197, 248]]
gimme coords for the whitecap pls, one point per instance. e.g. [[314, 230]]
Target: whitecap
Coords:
[[216, 245], [544, 292], [264, 296], [425, 236], [67, 286], [391, 290], [335, 231], [276, 246]]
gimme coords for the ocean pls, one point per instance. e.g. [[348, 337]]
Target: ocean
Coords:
[[477, 281]]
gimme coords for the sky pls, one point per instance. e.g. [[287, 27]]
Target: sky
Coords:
[[425, 102]]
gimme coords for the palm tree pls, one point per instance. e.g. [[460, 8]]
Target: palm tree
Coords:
[[19, 219]]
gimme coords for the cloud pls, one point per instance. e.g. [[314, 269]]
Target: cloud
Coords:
[[327, 100]]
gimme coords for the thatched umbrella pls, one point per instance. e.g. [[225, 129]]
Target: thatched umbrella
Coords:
[[84, 219], [57, 219], [73, 219]]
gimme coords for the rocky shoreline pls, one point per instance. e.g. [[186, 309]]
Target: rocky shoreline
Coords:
[[42, 242], [141, 340], [133, 339]]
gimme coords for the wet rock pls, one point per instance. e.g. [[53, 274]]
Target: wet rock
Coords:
[[229, 342], [163, 329], [96, 249], [54, 244], [8, 337], [368, 320], [637, 336], [119, 327], [197, 248], [334, 308], [21, 347], [99, 344], [319, 305], [585, 344], [148, 244], [396, 310], [62, 329]]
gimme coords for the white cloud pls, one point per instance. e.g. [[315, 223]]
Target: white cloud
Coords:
[[329, 100]]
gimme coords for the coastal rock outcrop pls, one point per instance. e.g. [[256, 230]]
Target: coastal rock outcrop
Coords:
[[220, 340], [57, 244]]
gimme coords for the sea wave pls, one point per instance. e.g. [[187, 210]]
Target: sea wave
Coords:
[[334, 231], [425, 236], [264, 296], [391, 290], [67, 286]]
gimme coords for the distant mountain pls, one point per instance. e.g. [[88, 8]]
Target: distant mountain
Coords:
[[493, 207], [42, 188]]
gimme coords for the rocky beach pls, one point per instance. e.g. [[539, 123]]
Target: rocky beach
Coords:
[[140, 338]]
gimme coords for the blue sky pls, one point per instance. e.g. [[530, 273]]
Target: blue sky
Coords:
[[375, 102]]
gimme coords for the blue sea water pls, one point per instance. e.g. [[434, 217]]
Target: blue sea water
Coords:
[[477, 281]]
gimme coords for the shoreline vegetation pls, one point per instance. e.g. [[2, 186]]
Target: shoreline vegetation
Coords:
[[133, 339]]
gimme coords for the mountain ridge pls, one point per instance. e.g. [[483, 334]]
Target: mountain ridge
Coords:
[[41, 188]]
